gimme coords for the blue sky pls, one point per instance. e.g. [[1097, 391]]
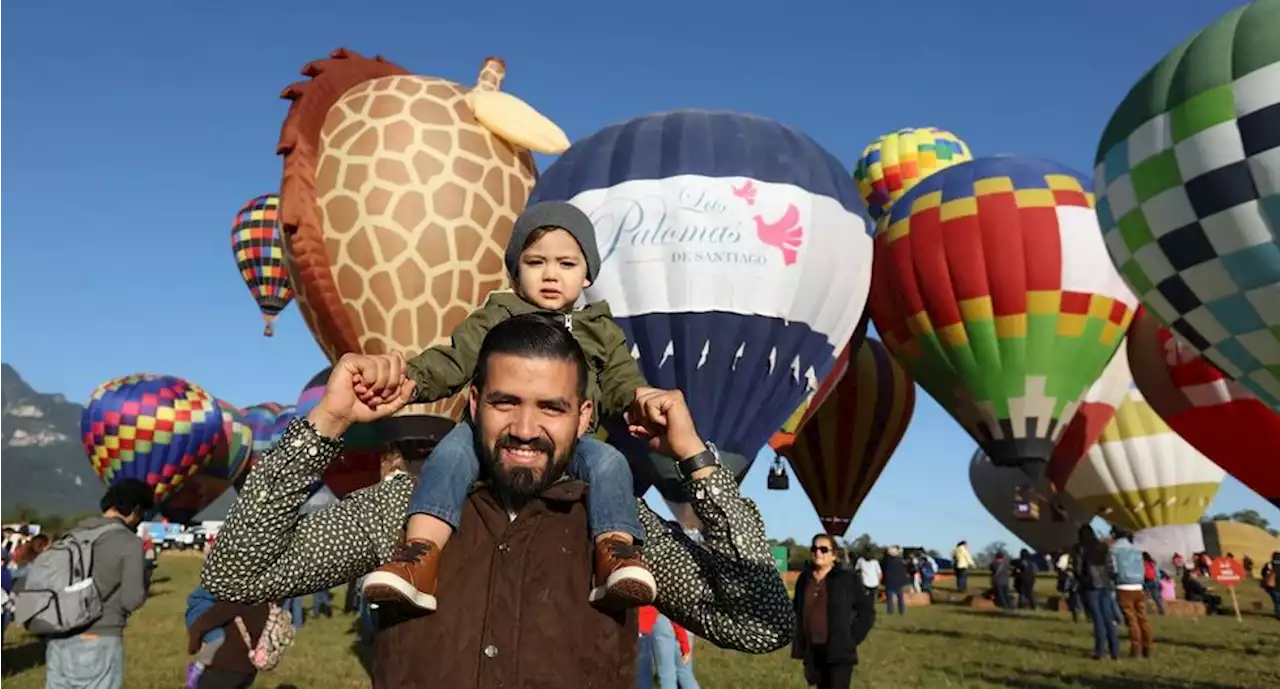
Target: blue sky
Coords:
[[136, 130]]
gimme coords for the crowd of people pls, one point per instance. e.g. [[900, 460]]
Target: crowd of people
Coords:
[[520, 532], [21, 547]]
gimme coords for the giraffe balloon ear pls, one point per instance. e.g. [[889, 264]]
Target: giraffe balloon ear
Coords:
[[517, 122]]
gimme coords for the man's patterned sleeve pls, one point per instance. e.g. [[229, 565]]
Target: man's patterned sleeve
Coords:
[[267, 551], [727, 590]]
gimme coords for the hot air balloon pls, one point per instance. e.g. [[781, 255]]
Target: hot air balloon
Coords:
[[158, 429], [998, 488], [1217, 415], [398, 199], [1188, 173], [894, 163], [360, 463], [841, 448], [286, 415], [787, 434], [227, 466], [991, 287], [1097, 408], [259, 252], [733, 258], [265, 436], [261, 418], [1216, 538], [1142, 474]]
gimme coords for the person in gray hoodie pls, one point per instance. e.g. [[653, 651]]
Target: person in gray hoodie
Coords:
[[93, 658]]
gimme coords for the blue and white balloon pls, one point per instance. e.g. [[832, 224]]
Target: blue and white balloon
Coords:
[[734, 258]]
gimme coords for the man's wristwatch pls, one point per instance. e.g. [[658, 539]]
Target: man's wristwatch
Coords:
[[709, 457]]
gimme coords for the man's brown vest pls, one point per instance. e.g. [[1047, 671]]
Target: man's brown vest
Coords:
[[513, 608]]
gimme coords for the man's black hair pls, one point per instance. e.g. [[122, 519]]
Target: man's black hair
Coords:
[[127, 496], [538, 335]]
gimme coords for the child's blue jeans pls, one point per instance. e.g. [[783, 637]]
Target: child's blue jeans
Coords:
[[453, 467]]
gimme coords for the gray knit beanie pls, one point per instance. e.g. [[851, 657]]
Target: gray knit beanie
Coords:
[[554, 214]]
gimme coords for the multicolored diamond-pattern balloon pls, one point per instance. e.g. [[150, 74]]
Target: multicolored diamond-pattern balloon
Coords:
[[159, 429]]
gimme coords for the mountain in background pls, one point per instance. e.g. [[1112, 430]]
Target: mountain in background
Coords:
[[44, 467]]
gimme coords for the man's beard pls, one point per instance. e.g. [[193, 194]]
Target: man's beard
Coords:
[[517, 484]]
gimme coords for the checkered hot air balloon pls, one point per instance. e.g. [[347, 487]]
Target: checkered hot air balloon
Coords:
[[158, 429], [734, 259], [993, 290], [1188, 181], [1217, 415], [894, 163], [259, 252], [1142, 474], [226, 468], [858, 417]]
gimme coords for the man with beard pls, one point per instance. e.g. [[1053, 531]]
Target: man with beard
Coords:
[[513, 577]]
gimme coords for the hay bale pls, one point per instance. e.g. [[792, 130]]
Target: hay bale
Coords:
[[979, 603], [1057, 604], [1182, 608], [913, 599]]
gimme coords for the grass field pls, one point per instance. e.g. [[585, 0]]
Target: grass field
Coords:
[[935, 646]]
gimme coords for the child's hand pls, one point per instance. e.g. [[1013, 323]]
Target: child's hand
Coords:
[[644, 392], [370, 393]]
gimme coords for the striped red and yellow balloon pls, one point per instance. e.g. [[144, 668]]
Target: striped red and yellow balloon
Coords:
[[859, 416], [1141, 473], [1213, 413], [787, 434], [892, 164], [159, 429], [259, 251], [992, 288]]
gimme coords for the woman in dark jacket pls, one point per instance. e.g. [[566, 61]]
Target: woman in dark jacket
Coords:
[[231, 667], [834, 614], [1025, 577], [1097, 586]]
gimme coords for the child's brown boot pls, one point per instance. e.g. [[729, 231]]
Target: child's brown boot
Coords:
[[622, 579], [409, 578]]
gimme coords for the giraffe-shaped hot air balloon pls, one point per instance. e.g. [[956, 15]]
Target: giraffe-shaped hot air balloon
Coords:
[[397, 202]]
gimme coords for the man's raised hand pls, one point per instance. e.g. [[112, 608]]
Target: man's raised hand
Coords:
[[662, 418]]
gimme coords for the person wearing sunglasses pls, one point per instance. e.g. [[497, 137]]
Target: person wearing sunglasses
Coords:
[[834, 614]]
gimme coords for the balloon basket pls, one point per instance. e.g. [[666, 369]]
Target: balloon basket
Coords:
[[779, 481], [1025, 511]]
